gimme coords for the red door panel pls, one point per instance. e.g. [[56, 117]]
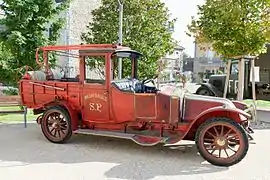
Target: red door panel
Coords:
[[95, 103]]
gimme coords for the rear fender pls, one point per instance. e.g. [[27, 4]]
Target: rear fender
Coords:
[[73, 114], [212, 89], [232, 113]]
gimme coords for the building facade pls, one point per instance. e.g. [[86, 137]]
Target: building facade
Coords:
[[77, 16], [172, 64], [206, 60]]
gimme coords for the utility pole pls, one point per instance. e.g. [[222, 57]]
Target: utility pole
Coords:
[[120, 37]]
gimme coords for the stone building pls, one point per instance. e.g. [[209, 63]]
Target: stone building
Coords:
[[173, 63], [77, 16], [206, 61]]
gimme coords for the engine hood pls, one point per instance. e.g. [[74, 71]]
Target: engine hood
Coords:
[[172, 91], [228, 103]]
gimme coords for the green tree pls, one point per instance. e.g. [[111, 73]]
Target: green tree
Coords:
[[26, 25], [145, 29], [233, 28]]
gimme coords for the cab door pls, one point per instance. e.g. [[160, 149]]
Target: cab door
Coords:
[[95, 94], [95, 103]]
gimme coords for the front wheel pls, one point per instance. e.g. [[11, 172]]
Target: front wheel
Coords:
[[222, 142], [56, 125]]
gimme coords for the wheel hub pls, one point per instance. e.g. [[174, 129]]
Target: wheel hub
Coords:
[[55, 125], [221, 142]]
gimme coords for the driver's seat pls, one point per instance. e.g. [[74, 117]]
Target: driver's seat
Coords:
[[127, 85]]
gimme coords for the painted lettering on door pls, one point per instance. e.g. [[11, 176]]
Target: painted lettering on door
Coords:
[[95, 107]]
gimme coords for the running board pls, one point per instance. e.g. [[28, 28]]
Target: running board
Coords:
[[139, 139]]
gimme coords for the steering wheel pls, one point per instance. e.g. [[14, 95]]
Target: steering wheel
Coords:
[[148, 80], [144, 87]]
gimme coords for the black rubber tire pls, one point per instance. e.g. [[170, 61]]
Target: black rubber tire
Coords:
[[44, 128], [217, 161], [200, 89]]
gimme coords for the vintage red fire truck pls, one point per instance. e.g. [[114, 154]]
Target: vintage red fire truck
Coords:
[[130, 108]]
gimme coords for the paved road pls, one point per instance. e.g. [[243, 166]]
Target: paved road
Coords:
[[263, 116], [26, 155]]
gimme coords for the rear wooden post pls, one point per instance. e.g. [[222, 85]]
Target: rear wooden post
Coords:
[[227, 79], [241, 79], [25, 117], [253, 86]]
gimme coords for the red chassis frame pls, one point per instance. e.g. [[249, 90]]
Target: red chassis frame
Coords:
[[104, 109]]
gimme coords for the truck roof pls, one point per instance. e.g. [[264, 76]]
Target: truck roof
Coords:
[[121, 51]]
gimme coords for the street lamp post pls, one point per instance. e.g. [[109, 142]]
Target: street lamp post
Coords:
[[120, 37]]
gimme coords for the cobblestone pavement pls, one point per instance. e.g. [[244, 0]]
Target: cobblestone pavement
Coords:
[[25, 155]]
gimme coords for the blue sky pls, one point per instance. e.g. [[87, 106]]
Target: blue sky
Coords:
[[183, 10]]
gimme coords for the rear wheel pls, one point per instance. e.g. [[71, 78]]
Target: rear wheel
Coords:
[[56, 125], [204, 91], [222, 141]]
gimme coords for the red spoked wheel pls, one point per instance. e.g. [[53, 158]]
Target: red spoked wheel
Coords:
[[222, 141], [56, 125]]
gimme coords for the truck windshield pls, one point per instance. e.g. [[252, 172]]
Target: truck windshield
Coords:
[[129, 63]]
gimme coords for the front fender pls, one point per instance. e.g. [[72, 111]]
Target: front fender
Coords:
[[240, 105], [220, 111]]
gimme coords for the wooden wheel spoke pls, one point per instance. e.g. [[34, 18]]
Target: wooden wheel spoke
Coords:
[[215, 129], [232, 149], [213, 150], [222, 131], [219, 153], [50, 121], [226, 153], [207, 139], [234, 136], [234, 142], [62, 130], [211, 134], [227, 134], [62, 123], [59, 134], [54, 134], [63, 127], [51, 131], [209, 146]]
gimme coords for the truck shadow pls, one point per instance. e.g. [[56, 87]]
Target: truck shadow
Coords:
[[130, 161]]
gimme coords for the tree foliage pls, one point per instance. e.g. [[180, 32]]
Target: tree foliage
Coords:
[[145, 29], [233, 27], [26, 25]]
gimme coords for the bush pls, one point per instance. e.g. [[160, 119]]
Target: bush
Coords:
[[10, 92]]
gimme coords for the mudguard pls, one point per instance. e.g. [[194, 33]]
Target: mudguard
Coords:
[[69, 108], [212, 89], [219, 111]]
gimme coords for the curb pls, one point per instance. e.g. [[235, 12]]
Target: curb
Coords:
[[263, 109]]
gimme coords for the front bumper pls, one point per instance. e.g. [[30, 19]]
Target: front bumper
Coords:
[[246, 124], [252, 111]]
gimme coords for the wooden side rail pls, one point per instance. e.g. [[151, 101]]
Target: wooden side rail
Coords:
[[9, 101]]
